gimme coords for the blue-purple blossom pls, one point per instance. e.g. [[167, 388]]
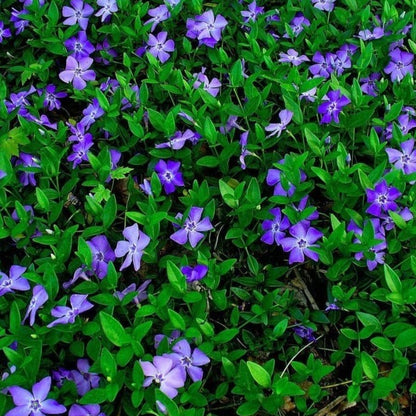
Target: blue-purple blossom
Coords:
[[253, 11], [26, 160], [35, 403], [59, 376], [66, 315], [304, 332], [19, 23], [244, 151], [146, 187], [91, 113], [298, 24], [332, 106], [367, 34], [52, 97], [274, 178], [212, 87], [192, 228], [28, 209], [106, 50], [160, 47], [108, 7], [4, 33], [81, 273], [169, 175], [159, 14], [165, 374], [274, 228], [141, 293], [405, 160], [230, 124], [292, 57], [77, 72], [170, 339], [85, 410], [18, 100], [405, 124], [322, 66], [14, 281], [368, 85], [193, 274], [178, 140], [83, 379], [80, 151], [340, 61], [277, 128], [302, 206], [40, 296], [401, 64], [102, 253], [382, 198], [324, 5], [80, 46], [79, 133], [133, 248], [78, 13]]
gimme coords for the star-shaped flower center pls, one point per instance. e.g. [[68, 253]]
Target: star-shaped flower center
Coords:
[[35, 405], [302, 243]]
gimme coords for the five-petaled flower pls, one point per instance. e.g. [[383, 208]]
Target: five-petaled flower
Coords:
[[14, 281], [40, 296], [66, 315], [382, 198], [77, 72], [332, 106], [160, 47], [400, 64], [78, 13], [169, 175]]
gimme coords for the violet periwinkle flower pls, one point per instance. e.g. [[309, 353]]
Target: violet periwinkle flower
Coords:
[[79, 46], [52, 97], [19, 23], [66, 315], [80, 152], [4, 33], [26, 160], [91, 113], [159, 47], [304, 332], [404, 160], [309, 95], [196, 273], [303, 237], [274, 228], [85, 410], [340, 61], [400, 64], [77, 72], [146, 187], [302, 206], [323, 66], [106, 48], [212, 87], [324, 5], [292, 57], [40, 296], [28, 209], [277, 128], [349, 48], [59, 376], [274, 179], [102, 253], [159, 14], [405, 126], [230, 124], [377, 252], [169, 175], [298, 24], [78, 13], [136, 242], [164, 373], [35, 403], [367, 34], [387, 222], [368, 85], [160, 337], [332, 106], [382, 198], [189, 361], [19, 100], [79, 133], [108, 7], [83, 379], [244, 151], [178, 140], [253, 11], [80, 273], [14, 281], [3, 174], [141, 292], [192, 228]]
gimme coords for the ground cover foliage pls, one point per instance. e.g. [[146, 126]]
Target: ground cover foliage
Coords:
[[207, 208]]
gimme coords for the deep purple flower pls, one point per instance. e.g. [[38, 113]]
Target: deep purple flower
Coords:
[[78, 13], [303, 237], [277, 128], [52, 97], [26, 160], [189, 361], [230, 125], [79, 133], [274, 228], [253, 11], [80, 152], [59, 376], [404, 160], [322, 66], [324, 5], [83, 379], [108, 7], [159, 14], [178, 140], [340, 61], [77, 72], [80, 46], [159, 47], [85, 410], [40, 296], [399, 65], [102, 253], [304, 332], [66, 315], [4, 33], [332, 106], [193, 274], [378, 252], [141, 292], [349, 48], [191, 230], [302, 206], [212, 87], [136, 242], [169, 175], [35, 403], [368, 85], [387, 221], [106, 49], [165, 374], [382, 198], [19, 23], [274, 179], [15, 281], [18, 100], [367, 34], [292, 57], [332, 306], [91, 113], [298, 24]]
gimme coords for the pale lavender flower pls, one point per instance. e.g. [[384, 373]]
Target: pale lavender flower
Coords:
[[160, 337], [83, 379], [230, 125], [253, 11], [85, 410], [178, 140], [159, 14], [91, 113], [322, 66], [66, 315], [212, 87], [193, 274], [400, 64], [292, 57], [324, 5], [298, 24], [78, 13], [159, 47], [108, 7], [277, 128], [340, 61], [146, 187], [102, 253], [309, 95], [40, 296], [81, 273], [405, 160], [367, 34], [19, 23], [77, 72], [244, 151], [15, 281], [405, 124]]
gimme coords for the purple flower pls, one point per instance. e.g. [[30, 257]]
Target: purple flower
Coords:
[[80, 273], [274, 228], [86, 410], [146, 187], [66, 315], [169, 175], [292, 57], [83, 379], [136, 242], [178, 140], [368, 85], [277, 128], [26, 160], [349, 48], [35, 403], [244, 151], [80, 46], [298, 24], [4, 33], [52, 97], [159, 47], [159, 14], [193, 274], [399, 65], [332, 306], [309, 95], [377, 252], [332, 107], [367, 34], [141, 292], [19, 23], [230, 125], [382, 198], [165, 374], [253, 11], [388, 223], [18, 100], [3, 174], [340, 61], [304, 332], [324, 5], [40, 296], [77, 72], [80, 151], [192, 228], [28, 209], [322, 66], [15, 281], [107, 51], [78, 13], [212, 87], [405, 126], [59, 376], [302, 206], [160, 337], [78, 133], [102, 253], [108, 7], [91, 113], [404, 160], [303, 237], [189, 361], [274, 179]]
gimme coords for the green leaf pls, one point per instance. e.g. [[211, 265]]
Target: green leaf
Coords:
[[208, 161], [157, 120], [176, 278], [113, 330], [109, 211], [248, 408], [369, 365], [95, 396], [392, 279], [236, 74], [225, 336], [383, 386], [42, 199], [108, 363], [406, 339], [177, 321], [260, 375], [253, 193], [394, 112], [382, 343]]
